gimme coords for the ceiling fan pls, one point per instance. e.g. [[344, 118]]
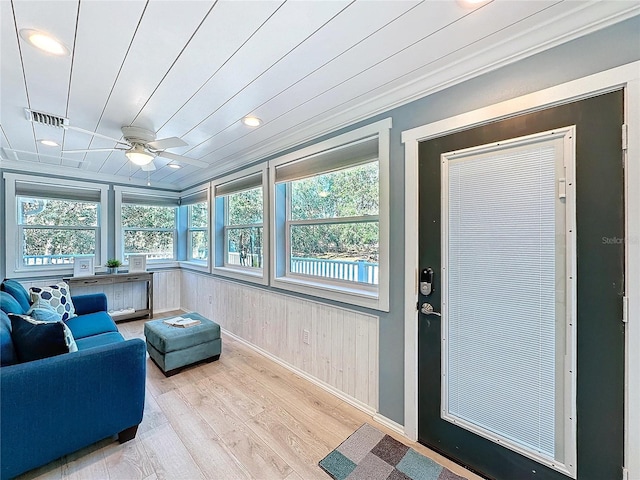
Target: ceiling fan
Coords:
[[141, 147]]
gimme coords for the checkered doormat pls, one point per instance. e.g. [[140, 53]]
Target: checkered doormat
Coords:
[[370, 454]]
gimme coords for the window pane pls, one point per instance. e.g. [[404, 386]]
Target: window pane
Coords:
[[156, 245], [67, 213], [245, 207], [346, 251], [351, 192], [53, 246], [147, 216], [199, 246], [198, 215], [244, 247]]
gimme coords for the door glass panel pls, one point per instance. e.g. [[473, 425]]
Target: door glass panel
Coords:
[[505, 306]]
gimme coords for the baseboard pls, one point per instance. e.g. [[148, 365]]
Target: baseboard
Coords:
[[325, 386], [390, 424], [164, 310]]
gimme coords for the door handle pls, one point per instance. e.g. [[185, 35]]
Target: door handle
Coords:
[[427, 309]]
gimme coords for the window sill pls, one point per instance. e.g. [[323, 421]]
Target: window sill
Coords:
[[354, 295], [200, 266], [242, 274]]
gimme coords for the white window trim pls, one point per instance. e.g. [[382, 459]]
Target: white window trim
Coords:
[[203, 266], [626, 76], [11, 231], [239, 273], [353, 294], [119, 232]]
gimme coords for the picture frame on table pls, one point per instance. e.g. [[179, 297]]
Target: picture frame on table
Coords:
[[137, 263], [83, 267]]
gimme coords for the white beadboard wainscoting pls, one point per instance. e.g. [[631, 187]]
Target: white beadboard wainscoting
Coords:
[[342, 353]]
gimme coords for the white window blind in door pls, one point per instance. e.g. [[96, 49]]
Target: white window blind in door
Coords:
[[505, 299]]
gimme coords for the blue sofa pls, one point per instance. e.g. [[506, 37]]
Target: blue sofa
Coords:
[[54, 406]]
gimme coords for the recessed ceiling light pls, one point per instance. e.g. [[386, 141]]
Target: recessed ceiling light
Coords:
[[252, 121], [174, 165], [49, 143], [44, 42], [472, 3]]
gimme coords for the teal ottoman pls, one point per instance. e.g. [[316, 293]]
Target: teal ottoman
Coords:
[[172, 348]]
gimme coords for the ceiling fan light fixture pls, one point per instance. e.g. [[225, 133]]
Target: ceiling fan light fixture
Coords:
[[45, 42], [174, 165], [252, 121], [138, 155], [49, 143]]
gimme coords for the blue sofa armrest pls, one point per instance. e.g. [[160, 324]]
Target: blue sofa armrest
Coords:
[[94, 302], [58, 405]]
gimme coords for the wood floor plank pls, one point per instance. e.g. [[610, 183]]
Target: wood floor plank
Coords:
[[170, 457], [128, 461], [303, 459], [203, 445], [256, 455]]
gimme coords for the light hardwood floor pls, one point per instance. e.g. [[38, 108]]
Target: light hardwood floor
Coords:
[[243, 416]]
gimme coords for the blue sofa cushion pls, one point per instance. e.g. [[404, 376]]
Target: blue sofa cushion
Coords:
[[34, 339], [17, 291], [7, 351], [90, 303], [91, 324], [57, 296], [43, 311], [99, 340], [8, 304]]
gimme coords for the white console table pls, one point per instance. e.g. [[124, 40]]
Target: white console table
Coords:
[[111, 279]]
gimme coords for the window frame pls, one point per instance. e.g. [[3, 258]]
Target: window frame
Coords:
[[188, 198], [13, 234], [154, 198], [355, 293], [220, 266]]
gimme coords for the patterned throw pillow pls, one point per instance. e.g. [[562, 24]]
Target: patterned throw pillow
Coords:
[[57, 296], [34, 339]]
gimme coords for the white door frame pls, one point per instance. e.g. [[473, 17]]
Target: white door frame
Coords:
[[627, 76]]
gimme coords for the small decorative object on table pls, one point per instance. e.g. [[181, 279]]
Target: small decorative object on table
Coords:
[[113, 264], [83, 266], [137, 263]]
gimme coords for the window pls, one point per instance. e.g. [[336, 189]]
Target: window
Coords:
[[198, 232], [52, 223], [53, 231], [333, 229], [330, 213], [240, 230], [147, 224], [195, 205]]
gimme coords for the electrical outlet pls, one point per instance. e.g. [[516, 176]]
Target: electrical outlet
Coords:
[[305, 336], [210, 299]]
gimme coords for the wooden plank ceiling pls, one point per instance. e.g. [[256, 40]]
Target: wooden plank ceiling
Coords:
[[194, 69]]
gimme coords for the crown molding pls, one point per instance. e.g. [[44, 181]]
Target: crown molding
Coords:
[[36, 168]]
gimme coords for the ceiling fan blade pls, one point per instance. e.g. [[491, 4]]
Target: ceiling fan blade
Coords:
[[95, 134], [165, 143], [6, 151], [181, 158], [92, 150], [149, 167]]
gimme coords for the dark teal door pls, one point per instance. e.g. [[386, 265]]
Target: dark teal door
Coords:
[[600, 289]]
